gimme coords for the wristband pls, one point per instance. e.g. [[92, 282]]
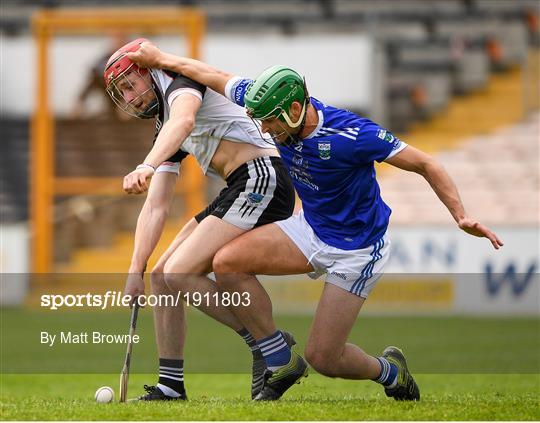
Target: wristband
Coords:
[[146, 166]]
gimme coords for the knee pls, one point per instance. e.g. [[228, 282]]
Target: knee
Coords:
[[320, 360], [229, 269], [157, 280], [180, 276], [225, 262], [171, 276]]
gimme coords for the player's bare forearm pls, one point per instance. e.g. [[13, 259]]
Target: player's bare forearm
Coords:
[[414, 160], [196, 70], [445, 188], [150, 56]]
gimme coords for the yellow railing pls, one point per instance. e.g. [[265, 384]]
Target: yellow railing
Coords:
[[44, 185]]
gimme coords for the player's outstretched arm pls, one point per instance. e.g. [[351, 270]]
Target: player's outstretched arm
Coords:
[[414, 160], [150, 56]]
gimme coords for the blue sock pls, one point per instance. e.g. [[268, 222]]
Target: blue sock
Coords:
[[388, 376], [275, 351]]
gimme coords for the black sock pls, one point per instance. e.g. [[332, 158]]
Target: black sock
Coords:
[[250, 341], [171, 376]]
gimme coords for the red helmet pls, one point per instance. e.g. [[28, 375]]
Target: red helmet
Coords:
[[115, 74], [119, 63]]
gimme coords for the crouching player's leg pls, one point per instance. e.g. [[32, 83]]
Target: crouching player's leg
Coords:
[[284, 248], [264, 250], [351, 275]]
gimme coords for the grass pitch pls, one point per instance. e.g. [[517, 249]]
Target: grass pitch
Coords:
[[468, 368], [225, 397]]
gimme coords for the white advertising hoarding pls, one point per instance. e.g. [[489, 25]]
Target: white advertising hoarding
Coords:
[[443, 270]]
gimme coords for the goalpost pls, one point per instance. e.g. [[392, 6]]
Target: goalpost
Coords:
[[44, 184]]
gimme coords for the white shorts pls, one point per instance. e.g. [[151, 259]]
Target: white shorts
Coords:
[[356, 271]]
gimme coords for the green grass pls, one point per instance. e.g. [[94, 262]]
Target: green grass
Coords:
[[224, 397], [468, 368]]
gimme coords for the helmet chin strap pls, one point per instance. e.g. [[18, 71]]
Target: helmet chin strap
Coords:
[[152, 108], [150, 111]]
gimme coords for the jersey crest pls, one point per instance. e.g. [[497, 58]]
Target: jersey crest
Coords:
[[324, 150]]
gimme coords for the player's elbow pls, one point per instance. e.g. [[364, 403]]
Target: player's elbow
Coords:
[[155, 208], [188, 123], [425, 165], [158, 204], [430, 167], [182, 124]]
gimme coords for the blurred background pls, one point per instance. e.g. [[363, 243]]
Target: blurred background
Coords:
[[457, 78]]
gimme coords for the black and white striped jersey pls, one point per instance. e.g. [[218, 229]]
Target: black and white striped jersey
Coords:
[[216, 119]]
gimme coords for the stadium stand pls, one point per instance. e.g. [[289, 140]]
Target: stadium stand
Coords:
[[91, 221], [14, 169], [455, 75], [80, 144], [497, 175]]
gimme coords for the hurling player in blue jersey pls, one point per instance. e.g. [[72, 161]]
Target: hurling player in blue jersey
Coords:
[[341, 231]]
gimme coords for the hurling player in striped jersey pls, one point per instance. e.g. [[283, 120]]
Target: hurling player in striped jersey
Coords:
[[340, 232], [193, 120]]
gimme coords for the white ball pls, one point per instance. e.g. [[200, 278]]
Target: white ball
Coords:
[[104, 394]]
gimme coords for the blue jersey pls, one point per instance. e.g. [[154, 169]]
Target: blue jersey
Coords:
[[334, 174]]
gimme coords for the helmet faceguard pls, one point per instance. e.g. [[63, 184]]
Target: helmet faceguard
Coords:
[[128, 85]]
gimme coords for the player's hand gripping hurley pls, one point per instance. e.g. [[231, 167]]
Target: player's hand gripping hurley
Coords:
[[124, 376]]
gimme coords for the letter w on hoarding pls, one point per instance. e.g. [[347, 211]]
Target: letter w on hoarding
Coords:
[[518, 282]]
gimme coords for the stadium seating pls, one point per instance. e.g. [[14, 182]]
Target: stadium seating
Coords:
[[92, 221], [115, 145], [497, 175]]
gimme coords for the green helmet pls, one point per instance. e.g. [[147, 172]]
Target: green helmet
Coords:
[[273, 92]]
